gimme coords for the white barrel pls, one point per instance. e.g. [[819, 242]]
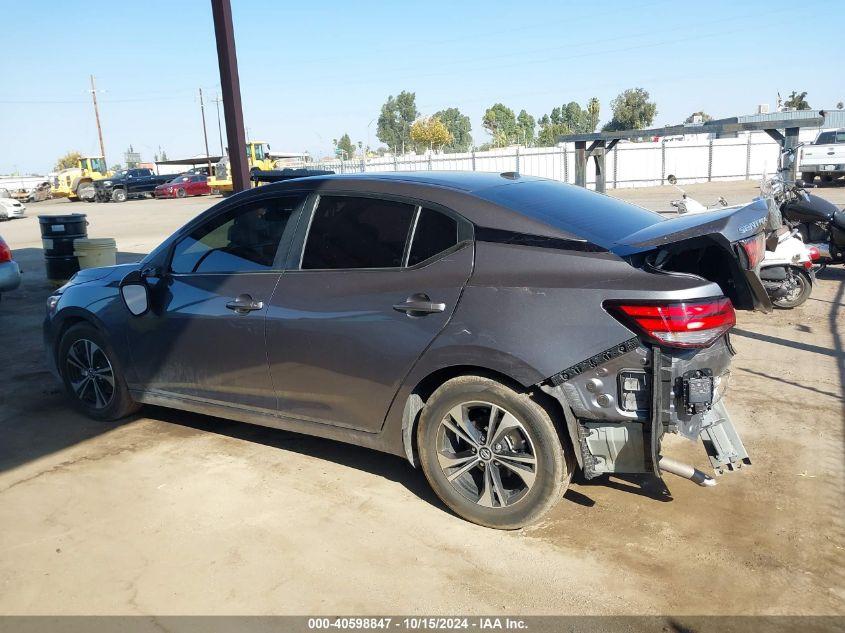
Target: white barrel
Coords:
[[95, 252]]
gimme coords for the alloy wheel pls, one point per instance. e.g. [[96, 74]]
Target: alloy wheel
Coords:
[[90, 373], [486, 453]]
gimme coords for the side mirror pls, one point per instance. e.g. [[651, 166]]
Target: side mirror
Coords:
[[671, 179], [135, 293]]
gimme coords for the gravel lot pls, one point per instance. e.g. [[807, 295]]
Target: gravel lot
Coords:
[[175, 513]]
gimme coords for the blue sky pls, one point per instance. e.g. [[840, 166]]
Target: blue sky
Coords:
[[311, 71]]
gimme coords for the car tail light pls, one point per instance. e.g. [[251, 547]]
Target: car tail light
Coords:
[[814, 253], [5, 252], [754, 249], [677, 324]]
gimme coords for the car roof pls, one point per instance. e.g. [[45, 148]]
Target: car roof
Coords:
[[470, 181]]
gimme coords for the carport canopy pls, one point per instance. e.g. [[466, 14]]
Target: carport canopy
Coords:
[[195, 160], [602, 142]]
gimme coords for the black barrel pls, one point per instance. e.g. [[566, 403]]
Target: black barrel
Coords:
[[58, 233]]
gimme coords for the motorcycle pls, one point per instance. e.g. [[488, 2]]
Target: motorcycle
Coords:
[[786, 268], [820, 223], [690, 205]]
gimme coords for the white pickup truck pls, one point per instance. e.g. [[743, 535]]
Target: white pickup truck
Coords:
[[824, 158]]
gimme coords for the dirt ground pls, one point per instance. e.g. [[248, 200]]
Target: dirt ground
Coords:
[[175, 513]]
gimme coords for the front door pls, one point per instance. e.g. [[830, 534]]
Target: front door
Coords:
[[203, 338], [378, 280]]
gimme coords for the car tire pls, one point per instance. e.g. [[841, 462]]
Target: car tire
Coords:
[[808, 177], [506, 481], [92, 375], [118, 195], [181, 193]]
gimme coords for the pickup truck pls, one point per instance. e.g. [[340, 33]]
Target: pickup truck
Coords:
[[824, 158], [128, 183]]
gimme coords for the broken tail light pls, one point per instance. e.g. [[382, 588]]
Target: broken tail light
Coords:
[[677, 324], [753, 249], [814, 253]]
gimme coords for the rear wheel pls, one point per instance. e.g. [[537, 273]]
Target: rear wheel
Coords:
[[491, 454], [92, 376], [798, 293], [808, 177]]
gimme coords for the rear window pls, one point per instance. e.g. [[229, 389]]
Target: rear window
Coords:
[[350, 232], [591, 216], [830, 138]]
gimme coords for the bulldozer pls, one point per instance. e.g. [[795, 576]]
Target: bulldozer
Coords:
[[77, 183], [258, 158]]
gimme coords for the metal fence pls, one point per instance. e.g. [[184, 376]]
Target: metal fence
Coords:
[[630, 164]]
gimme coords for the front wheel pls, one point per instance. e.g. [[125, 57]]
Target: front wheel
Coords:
[[91, 375], [86, 192], [181, 193], [798, 293], [118, 195], [491, 454]]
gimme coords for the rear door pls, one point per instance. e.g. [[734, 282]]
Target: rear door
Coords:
[[204, 335], [376, 281]]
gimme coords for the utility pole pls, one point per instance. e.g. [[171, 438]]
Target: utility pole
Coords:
[[217, 101], [230, 85], [97, 116], [204, 133]]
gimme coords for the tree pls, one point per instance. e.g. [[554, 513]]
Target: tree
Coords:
[[429, 133], [839, 105], [632, 110], [701, 113], [116, 167], [796, 101], [459, 127], [395, 120], [568, 119], [71, 159], [500, 121], [525, 128], [346, 145]]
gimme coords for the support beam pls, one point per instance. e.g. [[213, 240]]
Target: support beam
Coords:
[[790, 165], [230, 85], [581, 163], [598, 153]]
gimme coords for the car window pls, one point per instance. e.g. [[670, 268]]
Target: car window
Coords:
[[351, 232], [434, 233], [244, 239]]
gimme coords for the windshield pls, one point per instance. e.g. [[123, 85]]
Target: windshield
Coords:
[[180, 178], [98, 164], [121, 174], [594, 217]]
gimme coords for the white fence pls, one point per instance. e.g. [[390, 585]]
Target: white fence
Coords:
[[693, 158]]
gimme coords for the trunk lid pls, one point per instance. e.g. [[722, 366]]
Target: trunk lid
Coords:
[[707, 245]]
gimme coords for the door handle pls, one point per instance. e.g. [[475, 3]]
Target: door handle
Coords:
[[244, 304], [419, 305]]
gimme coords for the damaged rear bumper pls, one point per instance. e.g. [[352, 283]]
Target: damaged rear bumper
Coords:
[[620, 404]]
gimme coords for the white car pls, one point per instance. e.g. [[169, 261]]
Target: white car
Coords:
[[11, 208], [825, 157]]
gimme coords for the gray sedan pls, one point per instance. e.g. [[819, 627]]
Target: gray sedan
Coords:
[[498, 331]]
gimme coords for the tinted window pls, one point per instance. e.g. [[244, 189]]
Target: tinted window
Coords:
[[590, 216], [434, 233], [349, 232], [241, 240]]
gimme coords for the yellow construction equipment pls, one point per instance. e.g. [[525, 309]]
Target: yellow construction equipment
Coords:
[[258, 157], [77, 183]]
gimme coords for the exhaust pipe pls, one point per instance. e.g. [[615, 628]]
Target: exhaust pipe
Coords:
[[686, 471]]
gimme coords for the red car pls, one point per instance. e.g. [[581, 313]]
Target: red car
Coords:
[[184, 185]]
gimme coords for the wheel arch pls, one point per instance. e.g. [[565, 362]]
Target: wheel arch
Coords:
[[415, 403], [68, 318]]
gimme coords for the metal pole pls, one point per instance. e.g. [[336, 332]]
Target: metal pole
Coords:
[[230, 85], [97, 116], [204, 133], [217, 102], [581, 163]]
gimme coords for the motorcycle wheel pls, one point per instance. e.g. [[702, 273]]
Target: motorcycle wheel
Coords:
[[797, 295]]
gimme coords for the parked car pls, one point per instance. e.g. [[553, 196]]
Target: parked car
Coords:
[[825, 157], [500, 331], [10, 272], [128, 183], [11, 208], [184, 185]]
